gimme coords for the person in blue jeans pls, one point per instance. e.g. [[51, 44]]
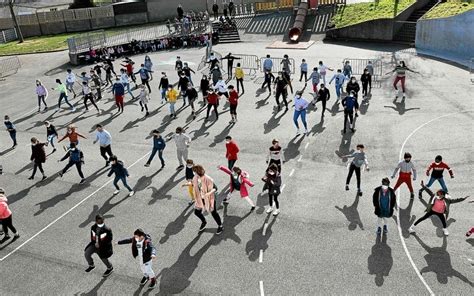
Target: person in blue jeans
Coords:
[[121, 174], [300, 111], [350, 104], [340, 78], [159, 145], [11, 129]]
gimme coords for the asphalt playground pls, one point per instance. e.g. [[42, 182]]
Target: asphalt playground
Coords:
[[322, 243]]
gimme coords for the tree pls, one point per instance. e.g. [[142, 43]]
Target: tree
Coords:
[[81, 4]]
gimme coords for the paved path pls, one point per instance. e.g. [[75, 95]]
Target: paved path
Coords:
[[323, 242]]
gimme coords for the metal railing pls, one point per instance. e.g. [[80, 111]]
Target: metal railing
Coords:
[[247, 62], [100, 39], [358, 66], [9, 66], [277, 66], [8, 35]]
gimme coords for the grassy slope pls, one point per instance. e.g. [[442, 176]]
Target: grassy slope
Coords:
[[361, 12], [449, 8]]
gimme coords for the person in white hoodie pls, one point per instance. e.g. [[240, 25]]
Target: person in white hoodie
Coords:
[[182, 141]]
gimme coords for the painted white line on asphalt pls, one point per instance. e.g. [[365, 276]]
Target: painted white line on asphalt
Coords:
[[417, 271], [260, 256], [306, 146], [300, 158], [262, 292], [264, 230], [291, 173], [283, 187], [67, 212]]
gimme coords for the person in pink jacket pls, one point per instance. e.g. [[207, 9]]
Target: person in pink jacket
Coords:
[[239, 180], [205, 198], [6, 218]]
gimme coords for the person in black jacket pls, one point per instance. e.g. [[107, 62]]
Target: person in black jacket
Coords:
[[204, 87], [268, 79], [384, 200], [101, 244], [192, 95], [230, 63], [353, 85], [215, 10], [76, 157], [323, 96], [272, 181], [164, 82], [183, 86], [38, 157], [51, 133], [366, 80], [143, 248], [180, 11], [121, 173]]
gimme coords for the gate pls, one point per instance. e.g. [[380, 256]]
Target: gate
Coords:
[[277, 67], [358, 66], [248, 62], [9, 66]]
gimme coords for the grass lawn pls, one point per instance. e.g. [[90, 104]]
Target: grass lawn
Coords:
[[449, 8], [356, 13], [51, 42]]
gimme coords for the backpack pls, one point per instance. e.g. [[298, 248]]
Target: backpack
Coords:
[[75, 155]]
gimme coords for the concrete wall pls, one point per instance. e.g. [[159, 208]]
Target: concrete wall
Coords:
[[131, 19], [102, 23], [30, 30], [53, 28], [77, 25], [450, 38], [380, 29]]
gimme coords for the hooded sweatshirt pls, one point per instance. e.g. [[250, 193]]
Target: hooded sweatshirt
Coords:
[[4, 209]]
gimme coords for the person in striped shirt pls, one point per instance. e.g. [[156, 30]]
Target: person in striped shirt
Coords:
[[407, 169], [401, 70]]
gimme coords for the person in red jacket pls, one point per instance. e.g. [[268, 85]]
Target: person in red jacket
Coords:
[[437, 168], [6, 218], [233, 101], [212, 101], [232, 149]]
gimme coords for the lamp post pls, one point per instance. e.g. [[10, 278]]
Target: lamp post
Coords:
[[15, 21]]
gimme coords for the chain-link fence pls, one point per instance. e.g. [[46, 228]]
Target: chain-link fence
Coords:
[[9, 66], [100, 39], [8, 35]]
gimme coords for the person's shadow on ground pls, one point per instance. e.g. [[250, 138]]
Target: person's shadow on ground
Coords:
[[364, 104], [292, 149], [273, 122], [380, 261], [439, 262], [259, 241], [175, 227], [103, 210], [161, 193], [406, 219], [352, 214], [400, 107]]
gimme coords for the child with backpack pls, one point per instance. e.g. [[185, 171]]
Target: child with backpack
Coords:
[[121, 174], [143, 248], [76, 157]]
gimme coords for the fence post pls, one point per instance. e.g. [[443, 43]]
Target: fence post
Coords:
[[4, 39]]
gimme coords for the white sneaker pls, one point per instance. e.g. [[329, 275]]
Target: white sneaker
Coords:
[[73, 109], [306, 131], [403, 94], [131, 193], [276, 212], [269, 210], [298, 132], [445, 231], [411, 229], [116, 192]]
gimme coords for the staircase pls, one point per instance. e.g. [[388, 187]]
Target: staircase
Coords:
[[407, 32], [226, 35]]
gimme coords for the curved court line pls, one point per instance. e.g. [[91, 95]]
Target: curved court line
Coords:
[[67, 212], [422, 279]]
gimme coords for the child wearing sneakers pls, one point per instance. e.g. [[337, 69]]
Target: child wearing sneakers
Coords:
[[146, 253], [272, 181], [438, 205], [121, 173], [189, 175], [437, 168]]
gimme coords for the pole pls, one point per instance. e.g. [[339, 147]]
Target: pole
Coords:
[[15, 21]]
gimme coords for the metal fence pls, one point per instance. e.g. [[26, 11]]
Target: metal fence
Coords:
[[277, 66], [247, 62], [8, 35], [358, 66], [9, 66], [99, 39]]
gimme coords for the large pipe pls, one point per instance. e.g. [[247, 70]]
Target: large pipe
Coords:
[[297, 30]]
